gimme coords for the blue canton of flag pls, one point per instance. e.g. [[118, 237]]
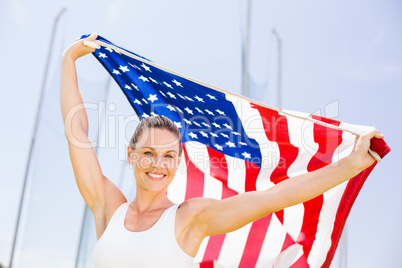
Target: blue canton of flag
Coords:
[[202, 114]]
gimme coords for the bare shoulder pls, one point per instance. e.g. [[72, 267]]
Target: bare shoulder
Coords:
[[191, 208], [104, 208]]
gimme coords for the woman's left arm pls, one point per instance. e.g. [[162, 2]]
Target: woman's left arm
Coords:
[[223, 216]]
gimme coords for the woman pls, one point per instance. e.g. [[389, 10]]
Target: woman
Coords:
[[151, 231]]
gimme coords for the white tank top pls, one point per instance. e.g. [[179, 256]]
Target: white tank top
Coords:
[[153, 248]]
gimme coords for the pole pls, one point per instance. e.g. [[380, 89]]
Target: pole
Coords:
[[276, 33], [33, 137], [246, 51]]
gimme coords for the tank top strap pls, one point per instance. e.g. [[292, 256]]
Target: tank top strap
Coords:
[[169, 216], [119, 215]]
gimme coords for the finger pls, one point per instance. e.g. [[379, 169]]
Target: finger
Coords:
[[93, 36], [373, 134], [91, 44]]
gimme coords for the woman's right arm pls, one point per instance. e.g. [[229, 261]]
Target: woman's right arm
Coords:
[[100, 194]]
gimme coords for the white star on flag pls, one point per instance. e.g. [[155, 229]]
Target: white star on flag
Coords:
[[168, 85], [152, 98], [134, 86], [209, 112], [109, 49], [116, 71], [227, 126], [138, 102], [204, 134], [218, 147], [199, 110], [144, 115], [231, 144], [195, 123], [188, 110], [153, 80], [224, 135], [102, 55], [135, 66], [171, 95], [216, 125], [213, 134], [198, 98], [242, 143], [187, 121], [192, 135], [177, 83], [178, 124], [163, 94], [146, 68], [144, 100], [124, 69], [220, 112], [128, 87], [246, 155], [211, 97], [170, 107], [144, 78]]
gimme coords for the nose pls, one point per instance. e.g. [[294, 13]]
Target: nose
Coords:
[[158, 161]]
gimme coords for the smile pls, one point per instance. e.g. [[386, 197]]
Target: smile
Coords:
[[155, 176]]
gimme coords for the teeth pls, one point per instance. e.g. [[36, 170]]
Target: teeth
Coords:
[[155, 175]]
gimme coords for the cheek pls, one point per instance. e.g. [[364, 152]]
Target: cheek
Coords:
[[143, 162], [172, 165]]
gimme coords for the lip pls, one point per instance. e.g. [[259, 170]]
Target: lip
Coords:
[[158, 177]]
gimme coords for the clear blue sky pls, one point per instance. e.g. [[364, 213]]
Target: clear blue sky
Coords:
[[342, 54]]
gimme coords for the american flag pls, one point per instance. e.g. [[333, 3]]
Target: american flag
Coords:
[[233, 145]]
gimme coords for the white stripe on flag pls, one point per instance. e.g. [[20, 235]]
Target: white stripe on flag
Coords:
[[288, 256], [272, 245], [301, 135], [233, 247], [236, 173]]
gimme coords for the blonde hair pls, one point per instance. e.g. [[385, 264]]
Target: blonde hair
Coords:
[[159, 121]]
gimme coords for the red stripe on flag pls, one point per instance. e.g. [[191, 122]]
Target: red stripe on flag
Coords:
[[254, 242], [252, 171], [276, 130], [288, 242], [195, 178], [300, 263], [208, 264], [218, 170], [328, 140]]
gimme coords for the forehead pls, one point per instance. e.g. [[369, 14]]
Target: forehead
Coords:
[[158, 139]]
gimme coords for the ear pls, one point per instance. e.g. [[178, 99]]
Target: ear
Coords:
[[178, 163], [130, 153]]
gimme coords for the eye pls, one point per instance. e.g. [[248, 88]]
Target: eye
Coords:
[[148, 153], [169, 156]]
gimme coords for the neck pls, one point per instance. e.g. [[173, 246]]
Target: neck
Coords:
[[147, 200]]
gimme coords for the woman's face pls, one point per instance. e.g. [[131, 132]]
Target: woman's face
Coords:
[[155, 159]]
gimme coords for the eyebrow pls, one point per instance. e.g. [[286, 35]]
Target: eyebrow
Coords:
[[154, 149]]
